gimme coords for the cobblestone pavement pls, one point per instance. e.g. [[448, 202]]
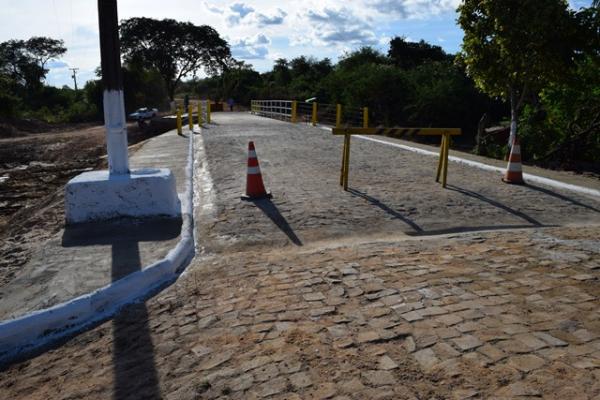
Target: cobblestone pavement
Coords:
[[479, 315], [323, 294], [391, 191]]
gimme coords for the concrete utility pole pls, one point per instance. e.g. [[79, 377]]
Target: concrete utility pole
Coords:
[[74, 76], [114, 105], [118, 192]]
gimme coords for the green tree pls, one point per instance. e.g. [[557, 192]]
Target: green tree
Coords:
[[24, 61], [408, 55], [513, 48], [175, 49]]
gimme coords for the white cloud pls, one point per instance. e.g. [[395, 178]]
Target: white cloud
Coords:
[[339, 27], [251, 48], [277, 19], [238, 12], [414, 8]]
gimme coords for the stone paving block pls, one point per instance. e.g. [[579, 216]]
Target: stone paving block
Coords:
[[449, 320], [325, 390], [313, 296], [444, 351], [378, 378], [551, 340], [466, 342], [426, 358], [526, 363], [300, 380], [583, 335], [530, 341], [317, 312], [412, 316], [215, 360], [368, 336], [492, 352], [274, 386], [386, 363], [241, 382]]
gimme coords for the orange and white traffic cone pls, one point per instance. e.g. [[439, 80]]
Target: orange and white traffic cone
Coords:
[[255, 189], [514, 172]]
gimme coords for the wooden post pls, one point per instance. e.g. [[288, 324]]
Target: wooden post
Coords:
[[294, 111], [365, 117], [190, 117], [338, 116], [314, 113]]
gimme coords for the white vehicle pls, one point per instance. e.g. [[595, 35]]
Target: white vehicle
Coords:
[[143, 113]]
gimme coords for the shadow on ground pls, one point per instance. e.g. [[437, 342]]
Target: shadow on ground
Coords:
[[271, 211], [134, 367]]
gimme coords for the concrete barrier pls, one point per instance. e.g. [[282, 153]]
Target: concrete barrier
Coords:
[[41, 329]]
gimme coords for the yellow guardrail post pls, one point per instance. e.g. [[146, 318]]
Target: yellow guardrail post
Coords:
[[343, 169], [365, 117], [208, 111], [346, 159], [199, 113], [441, 159], [294, 111], [191, 117], [338, 115], [179, 129], [442, 169], [446, 160], [314, 113]]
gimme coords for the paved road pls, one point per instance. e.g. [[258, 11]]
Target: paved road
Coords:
[[324, 294], [391, 191]]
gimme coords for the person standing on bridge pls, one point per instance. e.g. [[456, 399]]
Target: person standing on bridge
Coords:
[[230, 102]]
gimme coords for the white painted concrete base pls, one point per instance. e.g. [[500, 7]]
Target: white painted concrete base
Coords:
[[97, 195], [39, 329]]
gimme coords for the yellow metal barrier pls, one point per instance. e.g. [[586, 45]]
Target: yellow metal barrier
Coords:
[[208, 111], [445, 133], [179, 124], [294, 115], [199, 113], [314, 113], [338, 115], [365, 117], [191, 117]]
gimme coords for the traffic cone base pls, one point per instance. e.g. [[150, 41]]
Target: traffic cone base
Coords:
[[255, 188], [514, 172]]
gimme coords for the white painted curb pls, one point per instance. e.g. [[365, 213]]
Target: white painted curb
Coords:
[[39, 329]]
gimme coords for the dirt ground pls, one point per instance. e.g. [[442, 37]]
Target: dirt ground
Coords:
[[34, 167]]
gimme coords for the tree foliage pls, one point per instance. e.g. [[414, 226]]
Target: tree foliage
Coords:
[[174, 49], [406, 55], [512, 48]]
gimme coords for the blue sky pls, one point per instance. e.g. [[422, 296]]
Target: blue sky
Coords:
[[259, 31]]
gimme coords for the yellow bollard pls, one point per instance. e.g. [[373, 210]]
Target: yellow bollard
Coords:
[[294, 112], [199, 113], [208, 111], [365, 117], [347, 160], [441, 159], [338, 116], [314, 113], [191, 117], [179, 128]]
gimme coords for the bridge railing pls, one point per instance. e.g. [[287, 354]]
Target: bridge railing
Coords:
[[277, 109], [313, 112]]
